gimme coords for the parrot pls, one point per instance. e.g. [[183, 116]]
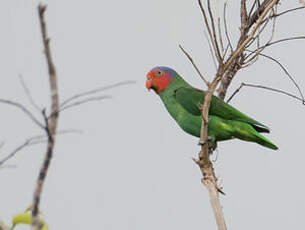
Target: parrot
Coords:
[[183, 102]]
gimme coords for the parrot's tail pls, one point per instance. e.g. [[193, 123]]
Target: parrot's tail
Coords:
[[265, 142], [246, 132]]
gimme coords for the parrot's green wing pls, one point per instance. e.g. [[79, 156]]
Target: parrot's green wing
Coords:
[[191, 98]]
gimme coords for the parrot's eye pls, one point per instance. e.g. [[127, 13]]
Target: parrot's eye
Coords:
[[158, 73]]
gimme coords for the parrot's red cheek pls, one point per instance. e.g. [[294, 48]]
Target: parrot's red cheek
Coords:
[[148, 84]]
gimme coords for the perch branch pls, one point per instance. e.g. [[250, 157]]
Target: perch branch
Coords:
[[204, 162]]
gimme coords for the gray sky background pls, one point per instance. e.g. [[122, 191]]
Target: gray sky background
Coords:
[[132, 167]]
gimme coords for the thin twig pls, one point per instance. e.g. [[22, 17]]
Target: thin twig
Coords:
[[67, 106], [220, 38], [286, 72], [28, 93], [282, 40], [253, 7], [287, 11], [94, 91], [226, 27], [235, 92], [30, 141], [267, 88], [195, 66], [39, 139], [214, 37], [211, 49], [24, 109], [209, 29]]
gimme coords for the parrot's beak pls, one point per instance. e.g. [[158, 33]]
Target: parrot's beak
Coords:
[[148, 83]]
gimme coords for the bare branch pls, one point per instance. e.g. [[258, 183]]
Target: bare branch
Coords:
[[70, 105], [235, 92], [267, 88], [216, 50], [286, 72], [235, 61], [253, 7], [39, 139], [24, 109], [94, 91], [226, 28], [30, 141], [220, 38], [288, 11], [214, 38], [243, 14], [253, 19], [195, 66], [211, 49], [204, 162], [28, 93], [51, 123], [282, 40]]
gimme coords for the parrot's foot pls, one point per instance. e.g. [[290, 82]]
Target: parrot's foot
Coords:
[[201, 142], [199, 105], [212, 145]]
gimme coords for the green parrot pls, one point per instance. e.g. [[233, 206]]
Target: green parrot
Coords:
[[182, 102]]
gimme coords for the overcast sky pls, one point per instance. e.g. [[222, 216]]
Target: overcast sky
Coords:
[[132, 167]]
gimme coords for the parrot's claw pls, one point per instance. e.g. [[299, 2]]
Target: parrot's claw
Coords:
[[199, 105], [201, 142]]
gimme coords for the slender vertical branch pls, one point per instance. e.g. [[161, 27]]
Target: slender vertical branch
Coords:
[[214, 40], [226, 27], [207, 25], [51, 122]]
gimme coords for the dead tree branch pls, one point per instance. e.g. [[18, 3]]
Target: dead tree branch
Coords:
[[266, 88], [94, 91], [30, 141], [288, 11], [248, 21], [28, 93], [285, 71], [195, 66], [226, 71], [51, 123], [23, 109]]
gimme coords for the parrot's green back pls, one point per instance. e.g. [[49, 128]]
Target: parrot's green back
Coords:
[[225, 122]]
